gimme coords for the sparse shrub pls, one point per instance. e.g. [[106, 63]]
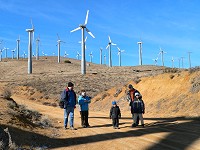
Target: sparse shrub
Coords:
[[45, 122], [170, 70], [137, 80], [98, 99], [192, 70], [104, 95], [171, 76], [7, 94], [67, 61], [118, 91], [12, 105]]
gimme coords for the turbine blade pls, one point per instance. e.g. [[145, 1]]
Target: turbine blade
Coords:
[[90, 33], [76, 29], [118, 48], [113, 44], [86, 19], [107, 46], [85, 38], [109, 39], [58, 36], [32, 24]]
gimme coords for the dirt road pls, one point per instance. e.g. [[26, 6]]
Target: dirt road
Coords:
[[159, 133]]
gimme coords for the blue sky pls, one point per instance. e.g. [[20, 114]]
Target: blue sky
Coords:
[[173, 25]]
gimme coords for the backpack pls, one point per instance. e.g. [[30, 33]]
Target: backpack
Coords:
[[62, 100]]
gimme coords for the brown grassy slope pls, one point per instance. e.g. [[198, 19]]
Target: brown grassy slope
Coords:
[[165, 95]]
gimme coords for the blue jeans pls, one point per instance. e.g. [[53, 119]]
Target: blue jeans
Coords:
[[69, 112]]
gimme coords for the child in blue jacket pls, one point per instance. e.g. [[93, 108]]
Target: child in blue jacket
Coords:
[[83, 102]]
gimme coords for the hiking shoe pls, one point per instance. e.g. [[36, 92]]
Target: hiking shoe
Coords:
[[65, 127], [72, 128], [143, 125], [133, 125]]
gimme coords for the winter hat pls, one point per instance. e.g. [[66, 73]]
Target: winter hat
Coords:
[[114, 103], [130, 86], [137, 94], [70, 84]]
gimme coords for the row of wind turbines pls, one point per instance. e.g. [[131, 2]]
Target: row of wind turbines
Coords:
[[81, 27]]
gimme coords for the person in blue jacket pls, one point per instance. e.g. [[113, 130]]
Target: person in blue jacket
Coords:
[[83, 101], [68, 97]]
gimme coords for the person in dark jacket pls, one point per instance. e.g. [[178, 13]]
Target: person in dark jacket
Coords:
[[130, 98], [83, 101], [115, 114], [138, 108], [68, 96]]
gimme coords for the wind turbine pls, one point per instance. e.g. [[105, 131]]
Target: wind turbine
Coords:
[[140, 52], [109, 45], [83, 27], [59, 41], [189, 59], [101, 56], [1, 50], [24, 55], [91, 56], [162, 57], [13, 53], [119, 54], [172, 62], [182, 61], [31, 35], [6, 51], [37, 47], [104, 59], [77, 56], [18, 40], [155, 61], [66, 54]]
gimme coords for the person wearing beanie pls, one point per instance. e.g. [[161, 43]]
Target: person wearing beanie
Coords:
[[68, 99], [115, 115], [130, 98], [137, 109], [83, 101]]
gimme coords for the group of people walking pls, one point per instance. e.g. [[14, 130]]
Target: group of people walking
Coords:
[[68, 103]]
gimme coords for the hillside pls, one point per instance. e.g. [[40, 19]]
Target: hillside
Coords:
[[171, 96]]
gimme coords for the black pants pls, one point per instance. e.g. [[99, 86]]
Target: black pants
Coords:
[[115, 122], [84, 118]]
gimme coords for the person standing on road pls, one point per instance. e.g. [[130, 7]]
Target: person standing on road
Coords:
[[138, 108], [115, 115], [131, 97], [83, 101], [68, 96]]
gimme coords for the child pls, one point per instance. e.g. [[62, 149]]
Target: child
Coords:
[[115, 114], [83, 102], [138, 109]]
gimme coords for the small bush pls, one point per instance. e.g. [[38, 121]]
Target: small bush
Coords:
[[118, 91], [67, 61], [171, 76], [137, 80], [7, 94], [195, 69]]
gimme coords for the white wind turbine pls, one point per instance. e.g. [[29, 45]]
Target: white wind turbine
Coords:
[[83, 27], [37, 47], [162, 57], [31, 36], [119, 54], [101, 56], [6, 51], [59, 41], [13, 53], [91, 56], [155, 61], [24, 55], [65, 55], [1, 50], [140, 52], [78, 55], [172, 62], [18, 40], [109, 46]]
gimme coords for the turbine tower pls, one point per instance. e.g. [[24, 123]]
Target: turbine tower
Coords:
[[13, 53], [18, 40], [119, 54], [104, 59], [182, 61], [101, 56], [37, 48], [83, 27], [172, 62], [91, 57], [162, 57], [31, 35], [189, 59], [59, 41], [6, 51], [109, 45], [140, 52], [1, 50]]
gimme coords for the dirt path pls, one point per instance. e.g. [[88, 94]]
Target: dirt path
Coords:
[[169, 134]]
